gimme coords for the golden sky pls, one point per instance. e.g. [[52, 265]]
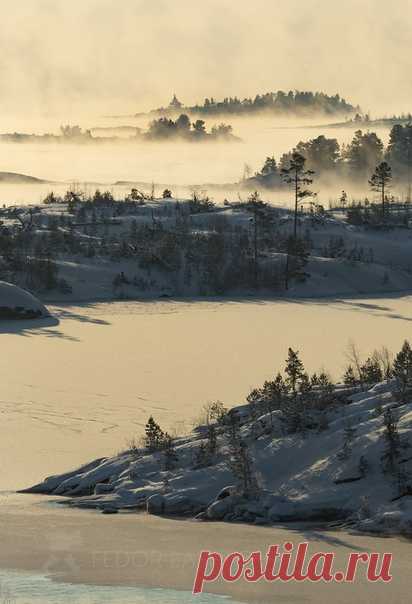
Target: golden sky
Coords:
[[126, 55]]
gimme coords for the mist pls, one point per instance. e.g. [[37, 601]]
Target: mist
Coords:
[[85, 61], [101, 56]]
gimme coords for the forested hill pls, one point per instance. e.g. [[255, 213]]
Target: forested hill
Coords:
[[293, 102]]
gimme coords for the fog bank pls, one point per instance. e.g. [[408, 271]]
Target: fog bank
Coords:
[[103, 56]]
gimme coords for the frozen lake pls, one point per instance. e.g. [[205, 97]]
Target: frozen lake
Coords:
[[81, 385], [26, 588], [78, 386]]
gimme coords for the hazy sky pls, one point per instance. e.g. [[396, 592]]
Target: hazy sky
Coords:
[[101, 56]]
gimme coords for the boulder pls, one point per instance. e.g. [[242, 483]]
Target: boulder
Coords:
[[156, 504], [222, 507], [17, 303]]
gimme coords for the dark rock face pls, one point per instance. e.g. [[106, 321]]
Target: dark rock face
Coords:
[[19, 312]]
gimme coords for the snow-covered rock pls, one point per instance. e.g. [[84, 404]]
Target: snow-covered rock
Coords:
[[156, 504], [221, 507], [394, 518], [17, 303], [301, 477]]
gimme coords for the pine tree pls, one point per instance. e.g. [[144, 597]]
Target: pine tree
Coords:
[[349, 377], [294, 370], [380, 180], [217, 412], [241, 464], [392, 449], [305, 385], [155, 436], [269, 167], [402, 369], [239, 460], [257, 208], [392, 453], [273, 395], [300, 178], [314, 380], [326, 388], [207, 451], [371, 371]]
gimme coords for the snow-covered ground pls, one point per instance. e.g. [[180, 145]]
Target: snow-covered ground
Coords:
[[344, 259], [370, 261], [19, 304], [301, 476]]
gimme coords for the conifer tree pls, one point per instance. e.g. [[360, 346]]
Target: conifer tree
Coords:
[[371, 371], [402, 369], [380, 181], [294, 370], [155, 436], [349, 378], [300, 178], [257, 208], [239, 461], [392, 443]]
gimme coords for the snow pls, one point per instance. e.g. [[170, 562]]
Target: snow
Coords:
[[385, 264], [301, 476], [19, 302]]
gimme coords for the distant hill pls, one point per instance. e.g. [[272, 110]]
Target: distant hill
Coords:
[[15, 178], [365, 122]]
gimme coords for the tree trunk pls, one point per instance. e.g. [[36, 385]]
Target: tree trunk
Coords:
[[255, 244], [295, 226], [287, 269]]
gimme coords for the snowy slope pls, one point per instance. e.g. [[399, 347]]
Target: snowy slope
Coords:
[[301, 476], [18, 303], [370, 261]]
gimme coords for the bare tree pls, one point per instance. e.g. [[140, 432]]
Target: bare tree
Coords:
[[354, 358]]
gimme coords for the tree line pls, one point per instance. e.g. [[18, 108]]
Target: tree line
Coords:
[[182, 127], [295, 102], [356, 160], [294, 402]]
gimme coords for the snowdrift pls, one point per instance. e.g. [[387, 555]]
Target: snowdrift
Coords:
[[302, 476], [16, 303]]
